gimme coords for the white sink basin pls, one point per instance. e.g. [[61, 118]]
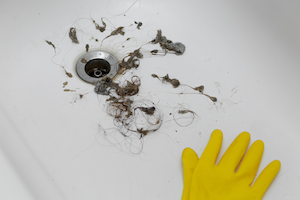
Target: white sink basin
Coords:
[[245, 53]]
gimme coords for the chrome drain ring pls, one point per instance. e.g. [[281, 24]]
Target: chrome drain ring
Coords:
[[95, 65]]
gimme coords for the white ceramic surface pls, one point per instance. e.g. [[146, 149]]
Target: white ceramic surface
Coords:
[[246, 53]]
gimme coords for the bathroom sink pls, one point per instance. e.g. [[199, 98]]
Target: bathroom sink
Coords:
[[58, 141]]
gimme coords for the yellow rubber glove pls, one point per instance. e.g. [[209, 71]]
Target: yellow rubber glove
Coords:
[[204, 180]]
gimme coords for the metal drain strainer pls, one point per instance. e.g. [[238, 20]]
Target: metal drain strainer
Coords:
[[95, 65]]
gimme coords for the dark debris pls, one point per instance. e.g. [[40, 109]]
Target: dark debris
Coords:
[[72, 35]]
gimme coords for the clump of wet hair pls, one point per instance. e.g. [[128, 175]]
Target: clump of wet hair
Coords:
[[126, 112], [130, 61], [106, 85], [117, 31], [168, 45], [176, 83], [73, 36], [51, 44], [184, 117], [98, 27], [134, 117]]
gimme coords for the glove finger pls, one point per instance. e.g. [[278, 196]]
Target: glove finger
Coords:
[[251, 161], [213, 147], [266, 177], [189, 161], [235, 152]]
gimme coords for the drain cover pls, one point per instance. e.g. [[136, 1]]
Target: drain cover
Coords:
[[95, 65]]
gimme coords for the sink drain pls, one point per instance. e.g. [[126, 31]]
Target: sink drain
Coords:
[[95, 65]]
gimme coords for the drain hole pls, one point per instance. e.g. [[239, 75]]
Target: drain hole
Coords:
[[97, 68]]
